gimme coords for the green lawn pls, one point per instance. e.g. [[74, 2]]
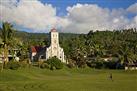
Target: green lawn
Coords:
[[35, 79]]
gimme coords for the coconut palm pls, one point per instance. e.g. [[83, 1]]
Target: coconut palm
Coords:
[[1, 53], [7, 36]]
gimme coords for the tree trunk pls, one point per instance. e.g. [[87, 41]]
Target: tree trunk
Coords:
[[2, 65], [2, 62], [5, 55]]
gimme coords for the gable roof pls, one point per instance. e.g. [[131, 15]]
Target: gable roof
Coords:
[[37, 48]]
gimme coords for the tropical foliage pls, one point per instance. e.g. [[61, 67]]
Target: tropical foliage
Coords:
[[96, 49], [55, 63]]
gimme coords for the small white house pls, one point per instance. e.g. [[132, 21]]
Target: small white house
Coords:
[[131, 67]]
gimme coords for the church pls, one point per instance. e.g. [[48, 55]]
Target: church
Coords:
[[54, 50]]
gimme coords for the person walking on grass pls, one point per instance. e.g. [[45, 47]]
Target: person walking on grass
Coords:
[[111, 77]]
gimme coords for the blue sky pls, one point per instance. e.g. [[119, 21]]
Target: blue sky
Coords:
[[61, 5], [75, 16]]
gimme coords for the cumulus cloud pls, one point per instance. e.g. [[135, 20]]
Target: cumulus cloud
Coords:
[[80, 17], [132, 23], [29, 14], [84, 17], [133, 8]]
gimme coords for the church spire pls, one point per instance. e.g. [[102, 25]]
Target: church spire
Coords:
[[53, 30]]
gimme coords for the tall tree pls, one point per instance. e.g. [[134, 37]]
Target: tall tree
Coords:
[[1, 54], [7, 36]]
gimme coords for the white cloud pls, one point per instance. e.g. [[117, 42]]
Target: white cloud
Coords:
[[84, 17], [80, 18], [133, 8], [132, 23], [29, 14]]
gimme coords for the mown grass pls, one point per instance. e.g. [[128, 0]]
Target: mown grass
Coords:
[[35, 79]]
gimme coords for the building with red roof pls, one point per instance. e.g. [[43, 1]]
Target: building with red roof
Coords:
[[38, 52]]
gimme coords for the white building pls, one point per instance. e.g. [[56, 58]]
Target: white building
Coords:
[[55, 49]]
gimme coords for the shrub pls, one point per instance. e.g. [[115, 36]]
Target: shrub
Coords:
[[92, 65], [82, 64], [55, 63], [0, 66], [119, 66], [24, 64], [98, 65], [13, 65], [95, 64], [71, 63], [110, 64], [44, 65]]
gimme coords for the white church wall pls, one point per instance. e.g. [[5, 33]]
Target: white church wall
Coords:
[[55, 49]]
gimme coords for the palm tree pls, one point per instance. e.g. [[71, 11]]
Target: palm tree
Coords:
[[7, 36], [1, 53]]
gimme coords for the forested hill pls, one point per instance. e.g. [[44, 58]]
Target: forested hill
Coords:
[[120, 44], [37, 38]]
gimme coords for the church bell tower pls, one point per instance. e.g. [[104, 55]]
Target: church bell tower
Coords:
[[55, 49], [54, 39]]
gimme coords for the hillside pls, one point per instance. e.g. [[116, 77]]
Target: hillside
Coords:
[[88, 49], [37, 36]]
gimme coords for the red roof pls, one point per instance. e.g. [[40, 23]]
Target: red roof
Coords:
[[33, 49], [36, 48], [53, 30]]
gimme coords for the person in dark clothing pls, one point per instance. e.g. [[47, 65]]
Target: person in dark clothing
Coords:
[[111, 77]]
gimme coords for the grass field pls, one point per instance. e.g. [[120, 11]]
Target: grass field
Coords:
[[35, 79]]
